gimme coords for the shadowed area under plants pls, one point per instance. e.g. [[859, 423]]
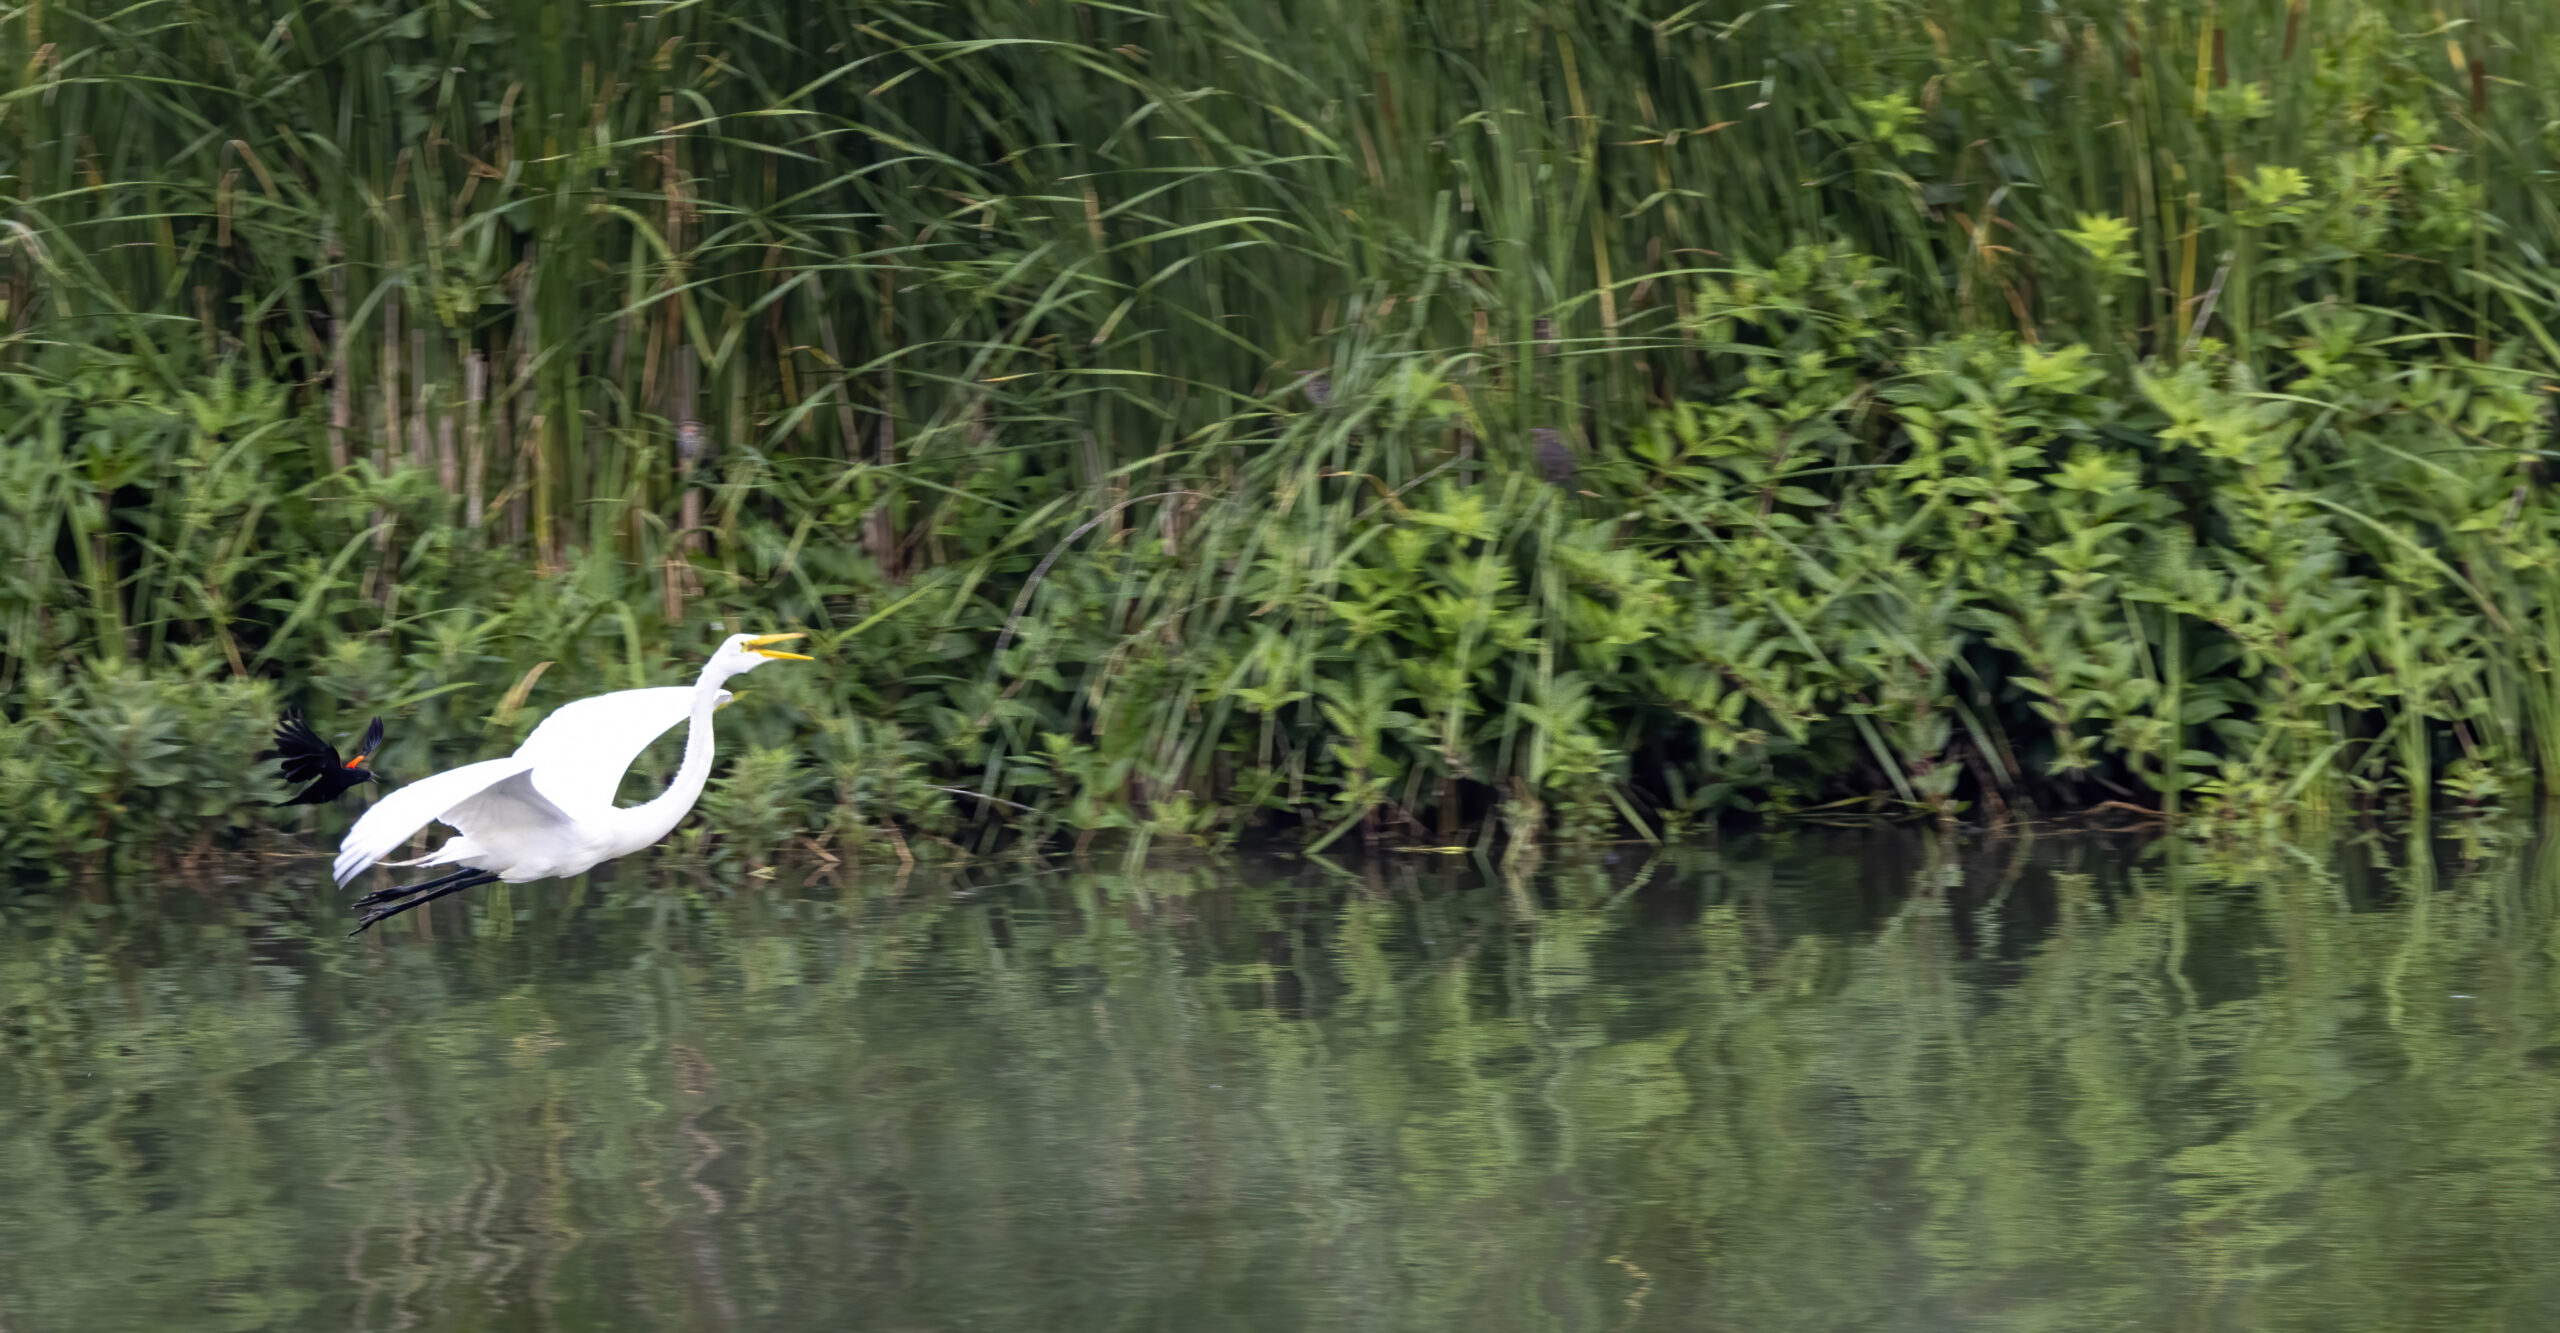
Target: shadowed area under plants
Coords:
[[1399, 424]]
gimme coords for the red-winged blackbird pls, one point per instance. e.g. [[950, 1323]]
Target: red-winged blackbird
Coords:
[[306, 757]]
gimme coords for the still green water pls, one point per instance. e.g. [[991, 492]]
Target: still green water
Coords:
[[1831, 1081]]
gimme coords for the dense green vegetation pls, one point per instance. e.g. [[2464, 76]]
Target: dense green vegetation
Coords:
[[1404, 421], [2008, 1084]]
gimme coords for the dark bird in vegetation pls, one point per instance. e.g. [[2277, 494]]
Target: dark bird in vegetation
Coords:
[[307, 757], [1555, 457]]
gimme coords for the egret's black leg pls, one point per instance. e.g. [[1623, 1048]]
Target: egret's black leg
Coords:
[[404, 890], [419, 895]]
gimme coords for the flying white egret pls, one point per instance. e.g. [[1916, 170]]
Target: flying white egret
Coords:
[[548, 809]]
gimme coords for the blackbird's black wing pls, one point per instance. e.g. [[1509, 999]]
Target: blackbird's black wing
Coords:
[[305, 755], [307, 758]]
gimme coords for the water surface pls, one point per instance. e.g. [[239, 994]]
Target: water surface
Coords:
[[1835, 1080]]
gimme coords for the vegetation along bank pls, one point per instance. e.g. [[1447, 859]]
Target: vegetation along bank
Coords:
[[1409, 423]]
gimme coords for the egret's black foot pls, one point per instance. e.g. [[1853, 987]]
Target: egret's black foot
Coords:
[[415, 895], [404, 890]]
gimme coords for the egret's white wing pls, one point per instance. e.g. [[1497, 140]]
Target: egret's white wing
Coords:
[[581, 751], [469, 796], [510, 808]]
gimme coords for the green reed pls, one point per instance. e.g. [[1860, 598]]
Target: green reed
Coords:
[[1967, 404]]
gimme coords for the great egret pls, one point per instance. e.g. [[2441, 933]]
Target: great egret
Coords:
[[548, 809], [307, 757]]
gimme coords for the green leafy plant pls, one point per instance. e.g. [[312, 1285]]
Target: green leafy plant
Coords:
[[1163, 431]]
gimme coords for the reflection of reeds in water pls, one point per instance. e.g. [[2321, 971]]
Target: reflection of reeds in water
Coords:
[[694, 1078], [733, 1110]]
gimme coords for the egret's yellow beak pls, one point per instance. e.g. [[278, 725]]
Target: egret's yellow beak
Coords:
[[757, 644]]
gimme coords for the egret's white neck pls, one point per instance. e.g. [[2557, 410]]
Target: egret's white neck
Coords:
[[658, 818]]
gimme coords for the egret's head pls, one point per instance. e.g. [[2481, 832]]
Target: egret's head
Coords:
[[742, 653]]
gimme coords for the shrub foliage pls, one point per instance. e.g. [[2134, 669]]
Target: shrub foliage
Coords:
[[1403, 421]]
